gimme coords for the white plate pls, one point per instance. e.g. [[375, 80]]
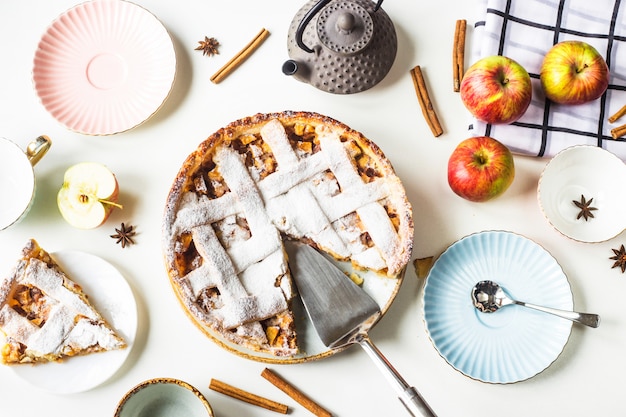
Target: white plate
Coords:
[[113, 298], [104, 67], [514, 343]]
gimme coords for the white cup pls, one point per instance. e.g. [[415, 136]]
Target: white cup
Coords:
[[17, 178]]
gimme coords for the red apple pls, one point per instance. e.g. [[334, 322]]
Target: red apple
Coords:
[[573, 72], [480, 168], [496, 90]]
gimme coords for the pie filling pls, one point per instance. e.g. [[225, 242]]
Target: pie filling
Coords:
[[267, 178]]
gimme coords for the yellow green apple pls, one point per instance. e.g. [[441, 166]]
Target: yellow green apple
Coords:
[[480, 168], [88, 196], [573, 72], [496, 90]]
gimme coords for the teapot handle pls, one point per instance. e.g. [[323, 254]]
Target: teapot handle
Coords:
[[309, 16]]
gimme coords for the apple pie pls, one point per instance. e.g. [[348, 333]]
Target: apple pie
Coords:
[[262, 179], [45, 316]]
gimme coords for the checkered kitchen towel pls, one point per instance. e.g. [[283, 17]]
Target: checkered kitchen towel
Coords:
[[525, 30]]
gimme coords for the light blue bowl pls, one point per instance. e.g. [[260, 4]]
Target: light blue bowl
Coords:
[[164, 397]]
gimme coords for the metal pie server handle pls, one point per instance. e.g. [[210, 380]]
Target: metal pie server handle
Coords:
[[412, 400]]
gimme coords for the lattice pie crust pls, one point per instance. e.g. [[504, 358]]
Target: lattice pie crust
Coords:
[[261, 179], [45, 316]]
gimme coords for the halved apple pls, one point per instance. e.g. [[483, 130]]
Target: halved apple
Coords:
[[88, 195]]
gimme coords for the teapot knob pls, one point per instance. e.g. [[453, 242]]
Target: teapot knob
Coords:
[[346, 22], [345, 27], [311, 14]]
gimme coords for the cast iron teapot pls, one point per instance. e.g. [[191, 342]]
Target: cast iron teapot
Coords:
[[341, 46]]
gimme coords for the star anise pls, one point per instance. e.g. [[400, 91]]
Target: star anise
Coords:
[[208, 46], [619, 258], [585, 208], [125, 235]]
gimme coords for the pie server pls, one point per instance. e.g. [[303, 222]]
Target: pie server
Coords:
[[342, 314]]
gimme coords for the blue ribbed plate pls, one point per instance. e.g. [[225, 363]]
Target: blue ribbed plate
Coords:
[[514, 343]]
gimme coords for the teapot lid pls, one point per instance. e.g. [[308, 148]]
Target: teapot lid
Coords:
[[345, 27]]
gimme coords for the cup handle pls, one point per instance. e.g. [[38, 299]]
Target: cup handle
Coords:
[[38, 148]]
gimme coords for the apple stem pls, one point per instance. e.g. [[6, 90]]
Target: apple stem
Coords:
[[502, 77], [480, 159], [84, 198], [111, 203]]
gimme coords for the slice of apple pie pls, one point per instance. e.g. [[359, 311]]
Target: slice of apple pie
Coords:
[[262, 179], [45, 316]]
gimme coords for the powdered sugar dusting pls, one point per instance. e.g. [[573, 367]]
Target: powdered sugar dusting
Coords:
[[71, 324]]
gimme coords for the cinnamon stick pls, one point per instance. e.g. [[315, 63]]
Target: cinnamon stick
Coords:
[[458, 53], [619, 131], [425, 103], [618, 114], [241, 56], [245, 396], [294, 393]]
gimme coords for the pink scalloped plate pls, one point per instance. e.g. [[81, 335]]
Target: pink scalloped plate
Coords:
[[104, 67]]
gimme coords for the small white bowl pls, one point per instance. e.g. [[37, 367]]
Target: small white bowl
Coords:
[[164, 397], [588, 171]]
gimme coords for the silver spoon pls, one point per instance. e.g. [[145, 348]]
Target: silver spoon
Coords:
[[488, 297]]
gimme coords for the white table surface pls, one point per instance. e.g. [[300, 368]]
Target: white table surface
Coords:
[[587, 379]]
